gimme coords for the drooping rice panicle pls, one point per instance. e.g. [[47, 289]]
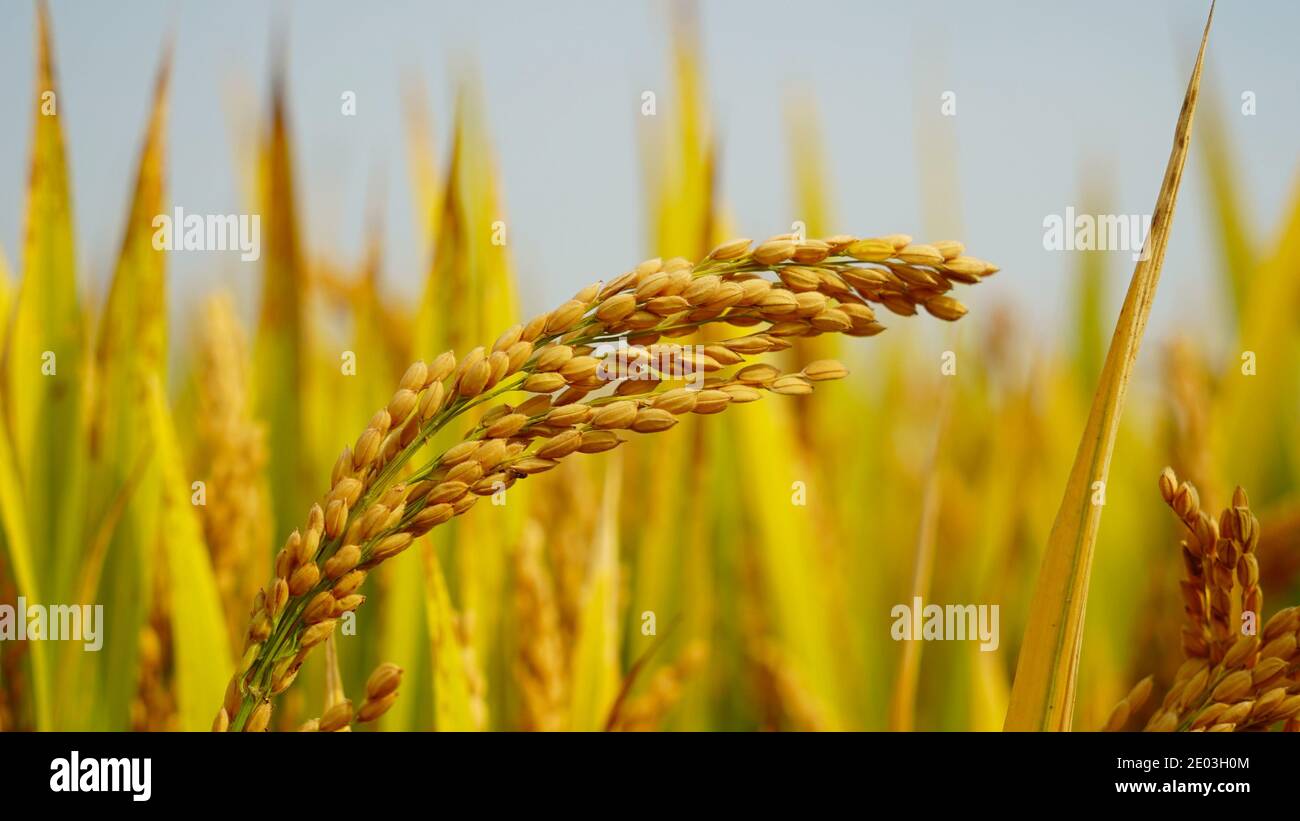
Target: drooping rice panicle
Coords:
[[610, 335]]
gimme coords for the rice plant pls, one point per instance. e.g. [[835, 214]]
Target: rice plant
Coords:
[[737, 573]]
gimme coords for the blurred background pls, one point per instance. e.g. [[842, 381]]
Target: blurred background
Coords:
[[771, 614]]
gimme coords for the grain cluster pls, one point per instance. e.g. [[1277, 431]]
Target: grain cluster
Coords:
[[1236, 676], [542, 394]]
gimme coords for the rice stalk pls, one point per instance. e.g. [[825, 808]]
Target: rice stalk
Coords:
[[902, 705], [282, 380]]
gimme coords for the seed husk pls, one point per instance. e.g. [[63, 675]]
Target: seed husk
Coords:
[[653, 420], [732, 249], [260, 718], [599, 441], [348, 583], [373, 709], [711, 401], [336, 717], [758, 374], [825, 369], [563, 317], [773, 251], [343, 561], [1233, 687], [475, 379], [385, 679], [791, 385], [614, 415], [317, 633], [303, 579], [945, 307]]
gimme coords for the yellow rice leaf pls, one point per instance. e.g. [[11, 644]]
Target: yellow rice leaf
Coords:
[[489, 260], [281, 372], [595, 666], [679, 170], [6, 300], [791, 560], [17, 552], [1251, 444], [45, 356], [134, 320], [441, 320], [988, 690], [451, 692], [469, 298], [405, 637], [469, 294], [130, 352], [1090, 280], [422, 160], [1042, 695], [202, 661], [379, 364], [658, 561]]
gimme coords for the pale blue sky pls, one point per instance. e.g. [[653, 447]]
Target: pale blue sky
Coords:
[[1043, 90]]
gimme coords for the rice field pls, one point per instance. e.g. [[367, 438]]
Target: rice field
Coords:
[[724, 487]]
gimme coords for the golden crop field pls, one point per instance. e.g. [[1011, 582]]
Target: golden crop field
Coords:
[[706, 492]]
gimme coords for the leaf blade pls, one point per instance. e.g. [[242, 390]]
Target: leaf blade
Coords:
[[44, 409], [129, 352], [203, 665], [1042, 696]]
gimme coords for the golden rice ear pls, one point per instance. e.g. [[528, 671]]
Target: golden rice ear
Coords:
[[566, 359]]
